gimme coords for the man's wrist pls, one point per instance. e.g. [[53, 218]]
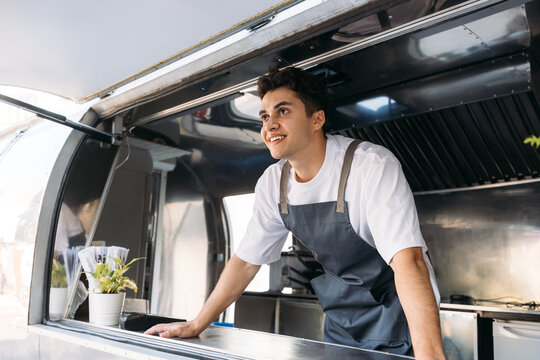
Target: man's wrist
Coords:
[[196, 324], [199, 324]]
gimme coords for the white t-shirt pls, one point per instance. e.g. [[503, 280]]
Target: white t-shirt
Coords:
[[379, 199]]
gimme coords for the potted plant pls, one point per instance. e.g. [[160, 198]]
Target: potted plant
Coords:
[[58, 294], [106, 305]]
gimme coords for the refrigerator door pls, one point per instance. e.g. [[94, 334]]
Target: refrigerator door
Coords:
[[459, 335], [516, 340]]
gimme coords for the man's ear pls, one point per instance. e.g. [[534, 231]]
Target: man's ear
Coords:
[[318, 118]]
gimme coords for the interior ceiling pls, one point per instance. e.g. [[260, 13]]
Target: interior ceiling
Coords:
[[429, 52], [74, 49], [363, 20], [400, 60], [470, 137]]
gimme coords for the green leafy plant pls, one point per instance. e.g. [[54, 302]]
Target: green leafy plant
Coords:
[[58, 275], [533, 141], [111, 279]]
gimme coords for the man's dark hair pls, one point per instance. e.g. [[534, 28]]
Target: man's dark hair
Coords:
[[307, 87]]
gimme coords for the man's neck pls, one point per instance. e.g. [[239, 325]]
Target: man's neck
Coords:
[[307, 166]]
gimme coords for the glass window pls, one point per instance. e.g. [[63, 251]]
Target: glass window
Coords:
[[76, 223], [120, 197]]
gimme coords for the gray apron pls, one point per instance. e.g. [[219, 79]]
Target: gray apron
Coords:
[[357, 290]]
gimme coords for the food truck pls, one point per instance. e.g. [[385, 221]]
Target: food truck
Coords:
[[164, 162]]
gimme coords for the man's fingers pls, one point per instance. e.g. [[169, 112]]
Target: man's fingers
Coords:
[[165, 334], [179, 329], [156, 329], [151, 331]]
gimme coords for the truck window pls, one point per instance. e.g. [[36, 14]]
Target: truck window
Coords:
[[76, 224], [146, 197], [118, 196]]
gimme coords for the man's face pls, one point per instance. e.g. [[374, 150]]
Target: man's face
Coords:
[[287, 129]]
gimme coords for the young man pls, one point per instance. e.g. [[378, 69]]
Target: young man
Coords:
[[348, 202]]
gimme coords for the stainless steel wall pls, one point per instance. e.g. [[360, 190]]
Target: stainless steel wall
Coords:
[[484, 242]]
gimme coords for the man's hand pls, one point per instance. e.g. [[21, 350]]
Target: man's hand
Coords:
[[418, 301], [184, 329]]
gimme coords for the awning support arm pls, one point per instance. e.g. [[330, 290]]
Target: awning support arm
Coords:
[[61, 119]]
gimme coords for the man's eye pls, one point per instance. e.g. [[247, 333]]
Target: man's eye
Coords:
[[283, 111], [264, 117]]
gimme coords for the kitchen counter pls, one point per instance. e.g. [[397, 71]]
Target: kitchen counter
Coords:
[[500, 312], [218, 342], [259, 345]]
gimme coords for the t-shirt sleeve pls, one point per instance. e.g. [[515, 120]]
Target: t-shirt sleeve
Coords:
[[391, 212], [266, 233]]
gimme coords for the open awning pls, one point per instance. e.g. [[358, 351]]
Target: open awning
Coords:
[[80, 50]]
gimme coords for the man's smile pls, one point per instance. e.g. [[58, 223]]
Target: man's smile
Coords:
[[277, 138]]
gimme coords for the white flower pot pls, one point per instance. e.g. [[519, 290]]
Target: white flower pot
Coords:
[[57, 302], [105, 309]]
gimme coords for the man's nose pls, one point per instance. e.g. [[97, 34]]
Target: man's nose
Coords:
[[271, 124]]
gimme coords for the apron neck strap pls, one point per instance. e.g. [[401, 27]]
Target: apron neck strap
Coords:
[[347, 162], [283, 187], [346, 168]]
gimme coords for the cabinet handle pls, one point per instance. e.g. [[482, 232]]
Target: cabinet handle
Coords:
[[532, 334]]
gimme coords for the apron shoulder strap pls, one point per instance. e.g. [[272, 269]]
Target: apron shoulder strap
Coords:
[[347, 162], [283, 187]]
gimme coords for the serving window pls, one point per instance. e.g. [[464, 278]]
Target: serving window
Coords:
[[113, 197], [178, 193]]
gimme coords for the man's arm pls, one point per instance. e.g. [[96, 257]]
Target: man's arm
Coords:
[[231, 284], [418, 302]]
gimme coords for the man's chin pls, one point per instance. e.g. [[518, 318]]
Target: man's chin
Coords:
[[277, 155]]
